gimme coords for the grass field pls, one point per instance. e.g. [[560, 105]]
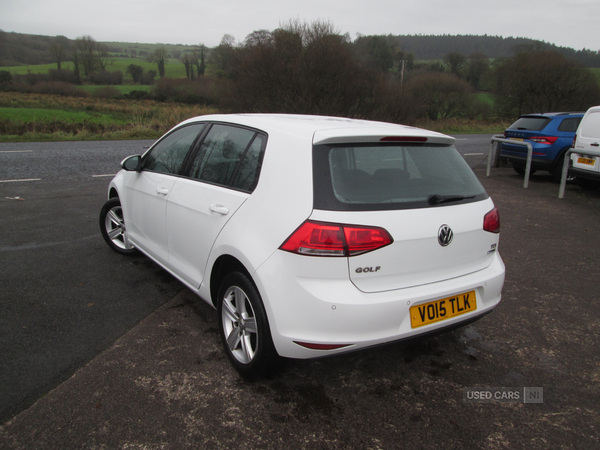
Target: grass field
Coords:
[[38, 117], [58, 115], [485, 97], [173, 69], [142, 49]]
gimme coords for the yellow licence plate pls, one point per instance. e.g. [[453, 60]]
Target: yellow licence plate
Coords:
[[442, 309], [516, 139], [589, 162]]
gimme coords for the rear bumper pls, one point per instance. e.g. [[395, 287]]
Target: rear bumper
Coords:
[[328, 309], [582, 173], [518, 156]]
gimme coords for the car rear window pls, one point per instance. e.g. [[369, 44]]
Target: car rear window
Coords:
[[383, 177], [530, 123]]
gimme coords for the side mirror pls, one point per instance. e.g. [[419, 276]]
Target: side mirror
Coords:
[[132, 163]]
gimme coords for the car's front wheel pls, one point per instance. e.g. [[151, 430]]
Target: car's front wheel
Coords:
[[112, 227], [244, 327]]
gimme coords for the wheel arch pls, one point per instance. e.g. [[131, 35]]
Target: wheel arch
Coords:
[[112, 193], [224, 265], [558, 160]]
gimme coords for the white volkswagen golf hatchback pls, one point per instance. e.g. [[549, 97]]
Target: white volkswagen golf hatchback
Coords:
[[312, 236]]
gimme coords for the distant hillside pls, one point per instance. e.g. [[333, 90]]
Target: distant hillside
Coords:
[[18, 49], [26, 49], [436, 47]]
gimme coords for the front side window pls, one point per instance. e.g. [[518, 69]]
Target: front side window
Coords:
[[382, 177], [167, 156], [229, 156]]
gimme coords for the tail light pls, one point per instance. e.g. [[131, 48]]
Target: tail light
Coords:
[[548, 140], [574, 141], [332, 239], [491, 221]]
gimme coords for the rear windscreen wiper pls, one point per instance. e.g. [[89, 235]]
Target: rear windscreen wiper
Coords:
[[436, 199]]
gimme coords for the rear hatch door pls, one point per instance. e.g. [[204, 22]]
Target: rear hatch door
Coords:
[[422, 193], [419, 254], [524, 129]]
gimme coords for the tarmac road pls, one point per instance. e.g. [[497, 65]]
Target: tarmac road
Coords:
[[165, 383], [63, 299]]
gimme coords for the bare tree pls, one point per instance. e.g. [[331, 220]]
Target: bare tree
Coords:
[[200, 56], [159, 56], [300, 68], [58, 49], [440, 95], [477, 67], [89, 55], [224, 55], [102, 56], [455, 62], [84, 49], [260, 37], [544, 81], [194, 59], [186, 59]]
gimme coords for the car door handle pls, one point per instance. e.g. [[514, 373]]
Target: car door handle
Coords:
[[219, 209], [162, 191], [595, 144]]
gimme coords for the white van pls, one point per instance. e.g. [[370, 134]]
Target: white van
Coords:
[[585, 163]]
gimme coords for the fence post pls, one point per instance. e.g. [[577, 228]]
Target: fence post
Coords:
[[565, 171], [529, 156]]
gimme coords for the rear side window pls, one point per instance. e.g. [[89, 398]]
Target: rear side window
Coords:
[[246, 175], [530, 123], [384, 177], [569, 125], [229, 156]]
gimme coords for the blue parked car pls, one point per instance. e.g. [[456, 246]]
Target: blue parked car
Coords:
[[550, 134]]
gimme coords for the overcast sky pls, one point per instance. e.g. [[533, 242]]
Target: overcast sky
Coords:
[[567, 23]]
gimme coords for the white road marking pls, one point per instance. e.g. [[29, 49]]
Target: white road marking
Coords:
[[105, 175], [474, 154], [16, 151], [18, 181]]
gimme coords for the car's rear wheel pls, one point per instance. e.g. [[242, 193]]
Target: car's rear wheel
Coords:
[[112, 227], [521, 170], [244, 327], [558, 169]]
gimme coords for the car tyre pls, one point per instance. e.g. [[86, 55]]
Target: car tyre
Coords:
[[521, 170], [244, 328], [112, 227], [558, 169]]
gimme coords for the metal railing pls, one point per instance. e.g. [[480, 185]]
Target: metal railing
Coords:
[[511, 142], [565, 169]]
